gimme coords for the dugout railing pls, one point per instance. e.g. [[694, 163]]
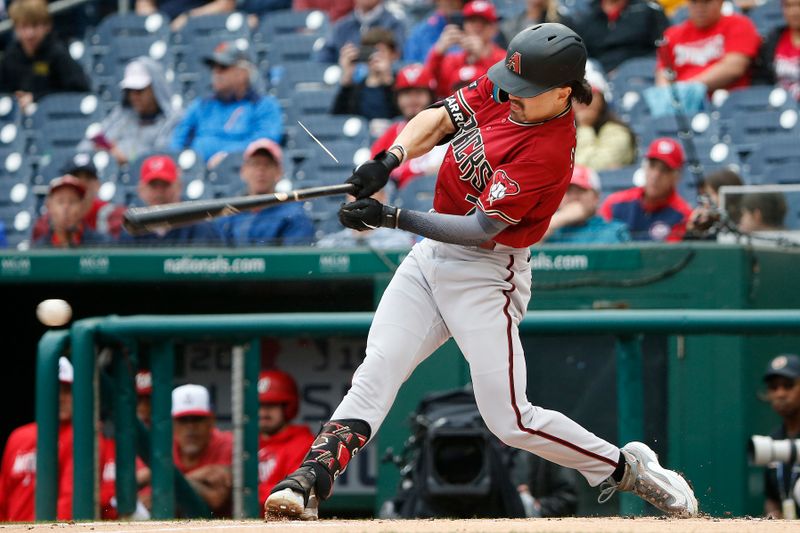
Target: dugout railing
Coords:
[[123, 335]]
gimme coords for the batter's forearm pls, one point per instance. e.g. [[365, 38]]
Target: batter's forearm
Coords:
[[454, 229], [423, 132]]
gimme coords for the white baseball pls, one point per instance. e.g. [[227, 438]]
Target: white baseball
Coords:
[[53, 313]]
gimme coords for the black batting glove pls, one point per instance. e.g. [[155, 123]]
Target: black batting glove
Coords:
[[367, 214], [371, 176]]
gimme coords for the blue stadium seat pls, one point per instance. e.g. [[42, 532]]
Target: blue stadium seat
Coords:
[[227, 171], [213, 28], [417, 195], [288, 21], [778, 151], [9, 110], [618, 179], [783, 174], [61, 119], [755, 128], [633, 75], [119, 25], [307, 105], [14, 166], [767, 17], [288, 78], [292, 48], [126, 48], [333, 128], [753, 99]]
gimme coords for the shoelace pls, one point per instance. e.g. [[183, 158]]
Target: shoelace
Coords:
[[607, 490]]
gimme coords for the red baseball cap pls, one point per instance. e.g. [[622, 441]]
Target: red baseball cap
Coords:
[[585, 178], [67, 180], [158, 167], [265, 144], [414, 76], [667, 150], [482, 9]]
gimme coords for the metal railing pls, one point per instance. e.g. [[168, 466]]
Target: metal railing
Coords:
[[162, 332]]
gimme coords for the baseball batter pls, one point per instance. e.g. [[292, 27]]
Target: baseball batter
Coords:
[[510, 160]]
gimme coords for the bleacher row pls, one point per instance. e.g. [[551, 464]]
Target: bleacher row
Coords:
[[755, 131]]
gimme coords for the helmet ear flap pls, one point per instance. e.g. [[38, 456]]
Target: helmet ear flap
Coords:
[[499, 95]]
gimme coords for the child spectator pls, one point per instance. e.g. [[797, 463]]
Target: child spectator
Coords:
[[702, 219], [36, 63], [372, 97], [367, 14], [654, 212], [779, 58], [762, 211], [66, 228], [145, 119]]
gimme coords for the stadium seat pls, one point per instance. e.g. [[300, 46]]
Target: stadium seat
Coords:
[[767, 16], [126, 48], [292, 48], [288, 21], [618, 179], [61, 120], [753, 99], [307, 105], [213, 28], [119, 25], [227, 171], [783, 174], [778, 151], [633, 75], [755, 128], [417, 195], [14, 166], [286, 79], [333, 128]]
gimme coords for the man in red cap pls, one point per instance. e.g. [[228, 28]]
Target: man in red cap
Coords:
[[65, 212], [577, 221], [159, 184], [282, 445], [479, 52], [282, 224], [414, 91], [654, 212]]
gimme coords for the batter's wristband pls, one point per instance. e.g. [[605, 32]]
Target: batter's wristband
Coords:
[[391, 215], [389, 160], [401, 149]]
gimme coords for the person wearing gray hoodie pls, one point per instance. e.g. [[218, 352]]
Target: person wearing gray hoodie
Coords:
[[143, 122]]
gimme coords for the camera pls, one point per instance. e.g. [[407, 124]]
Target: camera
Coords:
[[364, 53], [456, 19], [763, 450]]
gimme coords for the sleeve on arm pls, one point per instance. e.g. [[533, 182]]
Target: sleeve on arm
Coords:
[[742, 37], [464, 103]]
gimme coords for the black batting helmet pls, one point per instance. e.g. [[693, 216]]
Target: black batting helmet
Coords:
[[538, 59]]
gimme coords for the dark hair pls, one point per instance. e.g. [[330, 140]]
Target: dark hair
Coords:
[[771, 205], [379, 35], [581, 91], [721, 178]]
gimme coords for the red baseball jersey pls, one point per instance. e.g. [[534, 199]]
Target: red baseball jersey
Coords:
[[514, 172], [787, 64], [280, 455], [692, 50], [218, 452]]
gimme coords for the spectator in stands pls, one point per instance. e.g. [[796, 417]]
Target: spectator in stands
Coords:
[[371, 97], [281, 224], [414, 90], [144, 393], [159, 184], [367, 14], [617, 30], [709, 48], [375, 239], [782, 379], [18, 466], [37, 63], [762, 211], [145, 119], [171, 8], [654, 212], [703, 218], [201, 452], [536, 12], [604, 142], [546, 489], [425, 33], [282, 445], [577, 221], [335, 9], [97, 215], [779, 57], [235, 115], [64, 204], [479, 52]]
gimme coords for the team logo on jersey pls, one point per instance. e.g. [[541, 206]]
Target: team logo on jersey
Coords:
[[502, 186], [513, 63]]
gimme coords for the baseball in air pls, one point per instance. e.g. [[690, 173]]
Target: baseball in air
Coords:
[[54, 313]]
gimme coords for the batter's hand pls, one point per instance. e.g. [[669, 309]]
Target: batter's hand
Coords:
[[371, 176], [367, 214]]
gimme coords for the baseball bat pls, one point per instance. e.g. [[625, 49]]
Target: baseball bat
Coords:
[[142, 220]]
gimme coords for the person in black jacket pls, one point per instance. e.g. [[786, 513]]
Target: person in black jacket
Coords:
[[546, 489], [36, 63], [778, 60], [617, 30], [373, 97]]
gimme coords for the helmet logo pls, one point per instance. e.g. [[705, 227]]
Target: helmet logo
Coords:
[[263, 385], [513, 63]]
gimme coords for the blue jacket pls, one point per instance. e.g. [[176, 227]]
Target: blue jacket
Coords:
[[348, 30], [595, 231], [422, 38], [212, 125], [283, 224], [3, 241], [196, 234]]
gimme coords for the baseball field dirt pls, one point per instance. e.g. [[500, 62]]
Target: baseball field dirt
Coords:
[[564, 525]]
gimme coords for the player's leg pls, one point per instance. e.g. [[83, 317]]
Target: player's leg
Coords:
[[406, 329], [484, 322]]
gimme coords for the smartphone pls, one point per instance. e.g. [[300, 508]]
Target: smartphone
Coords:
[[456, 19], [364, 53]]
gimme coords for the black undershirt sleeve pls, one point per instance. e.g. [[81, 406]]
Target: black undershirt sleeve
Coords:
[[470, 230]]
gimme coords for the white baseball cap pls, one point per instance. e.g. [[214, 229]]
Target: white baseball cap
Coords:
[[190, 400], [136, 76], [65, 372]]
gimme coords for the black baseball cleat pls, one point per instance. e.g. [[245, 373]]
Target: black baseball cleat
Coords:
[[294, 497]]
